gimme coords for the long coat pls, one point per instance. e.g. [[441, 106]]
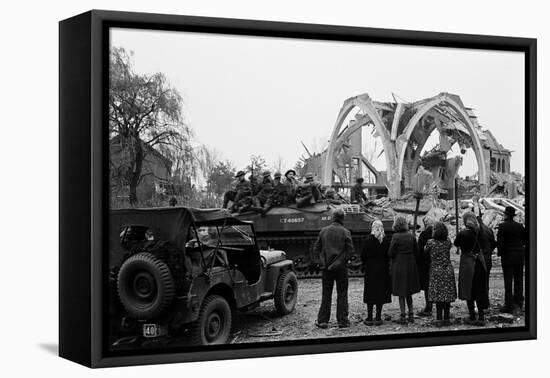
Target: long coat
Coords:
[[472, 271], [511, 239], [423, 258], [404, 273], [377, 270]]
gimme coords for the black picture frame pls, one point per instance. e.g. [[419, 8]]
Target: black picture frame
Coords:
[[83, 85]]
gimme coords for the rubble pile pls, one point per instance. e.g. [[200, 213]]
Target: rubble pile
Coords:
[[510, 185], [492, 209]]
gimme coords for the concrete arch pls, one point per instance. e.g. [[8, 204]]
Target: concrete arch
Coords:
[[364, 103], [444, 98]]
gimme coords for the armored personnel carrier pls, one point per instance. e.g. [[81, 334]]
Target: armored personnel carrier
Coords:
[[295, 230]]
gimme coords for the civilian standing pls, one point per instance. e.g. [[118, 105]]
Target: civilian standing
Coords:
[[511, 240], [472, 273], [404, 273], [332, 249], [441, 287], [377, 289], [423, 264]]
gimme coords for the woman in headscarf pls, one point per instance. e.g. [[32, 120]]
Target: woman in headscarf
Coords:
[[472, 273], [404, 273], [441, 287], [377, 290], [423, 263]]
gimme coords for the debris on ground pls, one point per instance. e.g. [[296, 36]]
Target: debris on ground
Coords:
[[301, 323]]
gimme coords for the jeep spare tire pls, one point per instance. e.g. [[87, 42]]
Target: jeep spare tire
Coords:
[[145, 286], [286, 293]]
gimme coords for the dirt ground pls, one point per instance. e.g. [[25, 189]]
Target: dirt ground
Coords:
[[263, 323]]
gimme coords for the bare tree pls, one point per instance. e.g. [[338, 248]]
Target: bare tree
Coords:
[[145, 113], [279, 164], [209, 158], [257, 165]]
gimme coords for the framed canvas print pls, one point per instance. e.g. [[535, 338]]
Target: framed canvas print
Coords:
[[234, 188]]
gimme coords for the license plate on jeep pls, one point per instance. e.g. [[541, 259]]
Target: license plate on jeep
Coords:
[[151, 330]]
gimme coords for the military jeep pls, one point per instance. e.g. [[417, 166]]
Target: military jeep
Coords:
[[183, 269]]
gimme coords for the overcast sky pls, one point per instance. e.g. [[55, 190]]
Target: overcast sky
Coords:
[[249, 95]]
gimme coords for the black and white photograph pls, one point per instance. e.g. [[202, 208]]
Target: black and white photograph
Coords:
[[275, 188], [266, 189]]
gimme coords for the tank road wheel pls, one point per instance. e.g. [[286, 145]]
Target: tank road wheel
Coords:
[[145, 286], [214, 323], [286, 293]]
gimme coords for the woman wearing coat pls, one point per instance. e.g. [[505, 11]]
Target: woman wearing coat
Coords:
[[472, 273], [404, 273], [423, 264], [441, 286], [377, 290]]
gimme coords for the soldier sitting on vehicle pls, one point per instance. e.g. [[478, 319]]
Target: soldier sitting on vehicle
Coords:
[[292, 185], [264, 193], [241, 190], [228, 196], [254, 185], [243, 202], [279, 194], [357, 194], [331, 196], [308, 192], [231, 195]]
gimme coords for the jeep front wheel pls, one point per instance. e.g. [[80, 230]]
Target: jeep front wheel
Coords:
[[286, 293], [214, 323]]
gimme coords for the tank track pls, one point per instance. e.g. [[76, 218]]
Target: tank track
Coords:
[[298, 249]]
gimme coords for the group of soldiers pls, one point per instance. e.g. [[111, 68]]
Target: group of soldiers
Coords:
[[260, 196]]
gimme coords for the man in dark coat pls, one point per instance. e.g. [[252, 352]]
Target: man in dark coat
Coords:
[[511, 240], [332, 249], [357, 195]]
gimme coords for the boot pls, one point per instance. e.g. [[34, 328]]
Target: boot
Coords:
[[481, 319], [402, 319]]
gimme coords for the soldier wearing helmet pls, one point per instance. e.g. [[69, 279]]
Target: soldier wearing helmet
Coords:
[[331, 196], [308, 192], [279, 194], [264, 192], [240, 192]]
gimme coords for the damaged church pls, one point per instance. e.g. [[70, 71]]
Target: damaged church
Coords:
[[403, 130]]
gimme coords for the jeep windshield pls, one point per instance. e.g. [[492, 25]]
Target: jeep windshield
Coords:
[[239, 235]]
